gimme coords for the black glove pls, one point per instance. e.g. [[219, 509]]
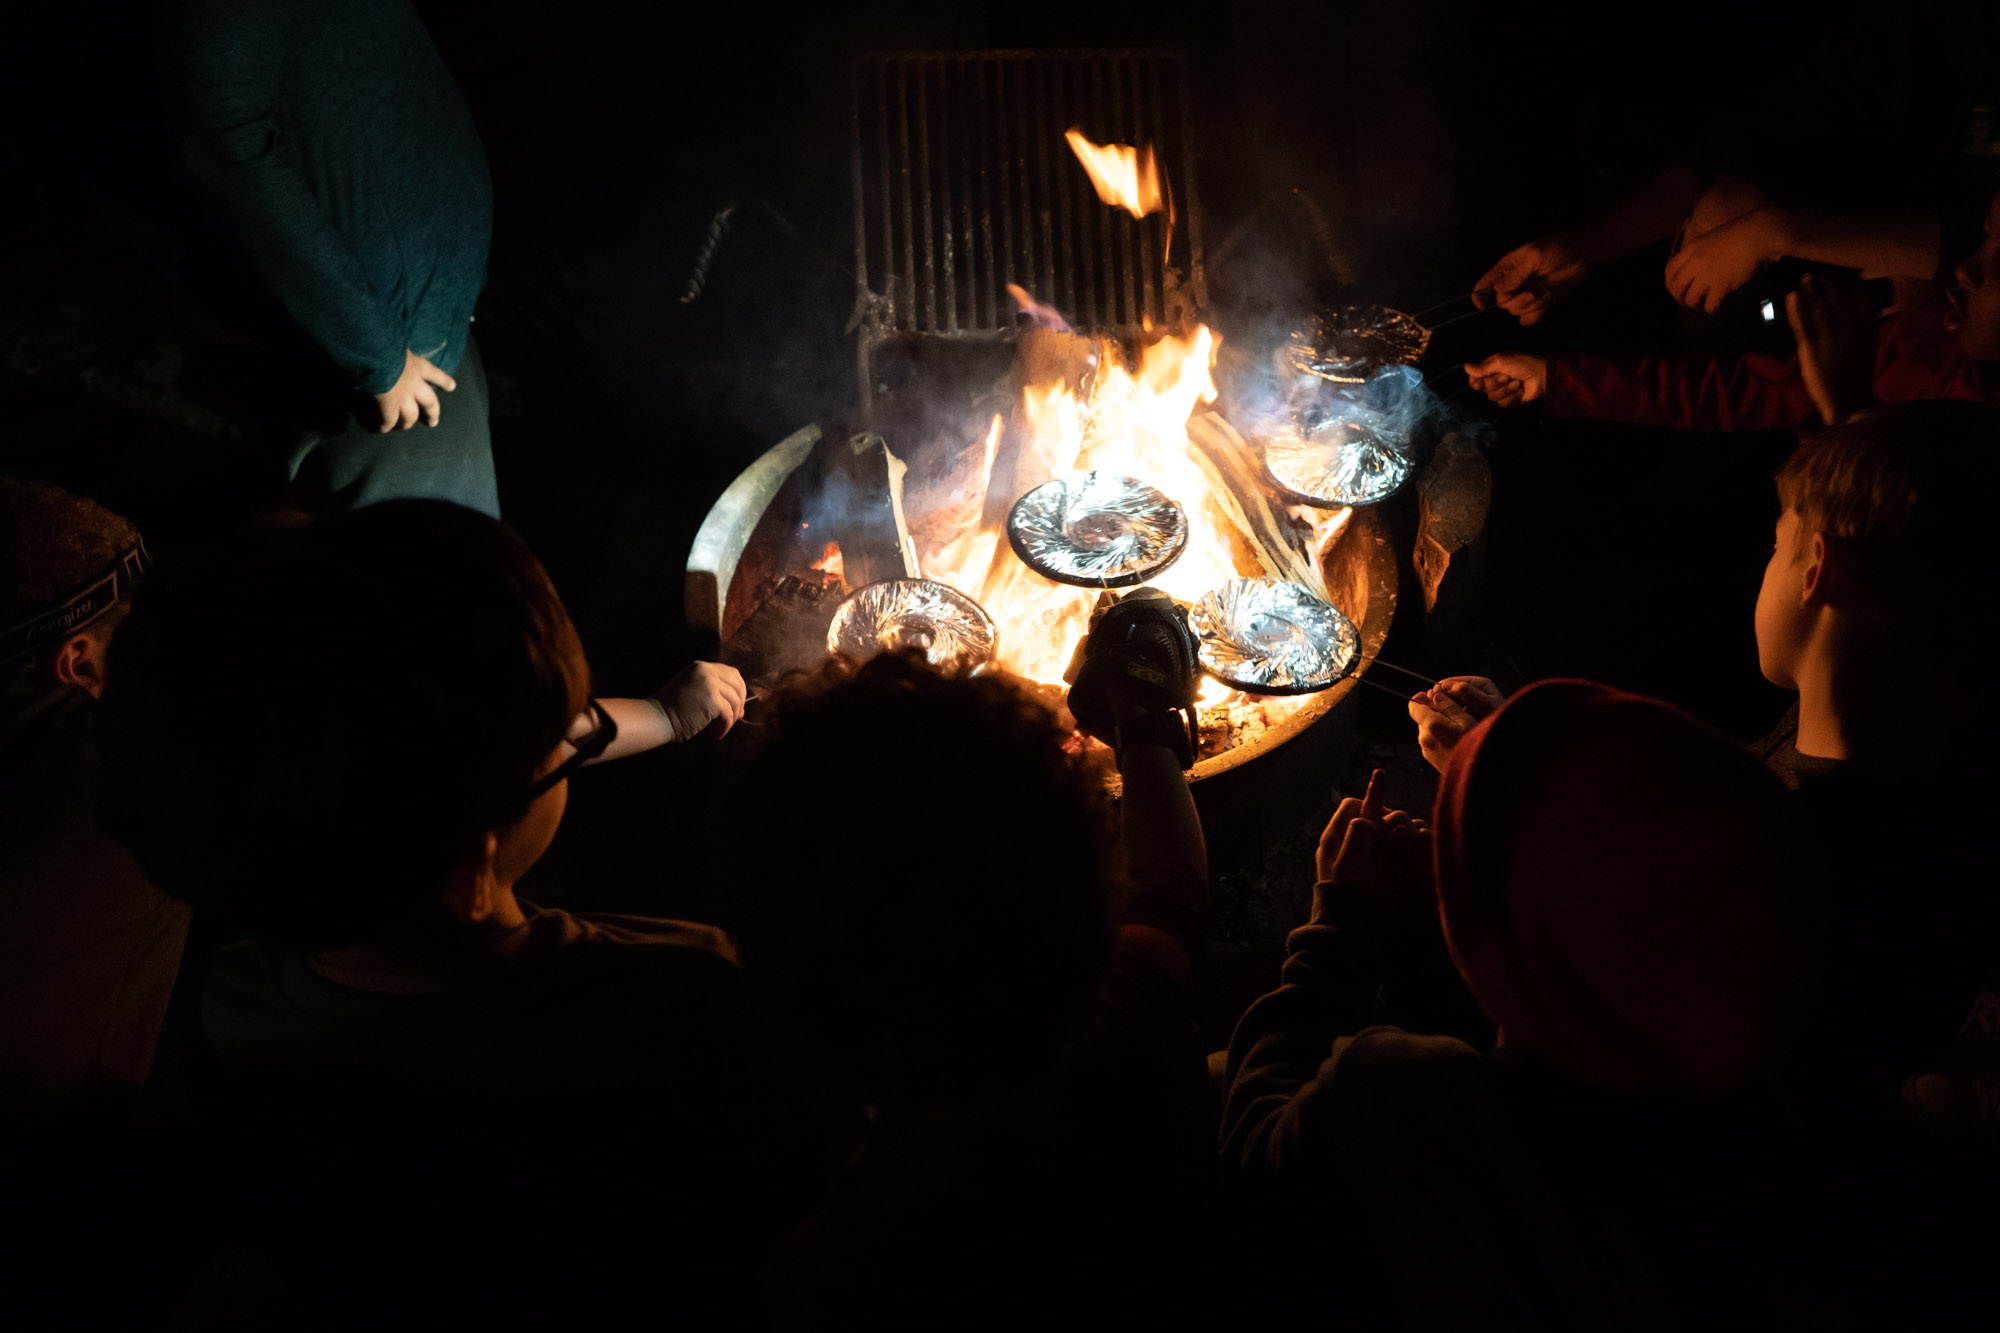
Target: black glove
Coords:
[[1135, 670]]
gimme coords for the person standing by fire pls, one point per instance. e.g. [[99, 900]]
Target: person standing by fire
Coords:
[[341, 213]]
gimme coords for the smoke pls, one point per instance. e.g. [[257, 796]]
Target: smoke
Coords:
[[1393, 403]]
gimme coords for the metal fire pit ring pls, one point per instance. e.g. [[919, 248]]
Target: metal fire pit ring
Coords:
[[751, 539]]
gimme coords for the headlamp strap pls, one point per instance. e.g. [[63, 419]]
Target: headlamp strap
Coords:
[[82, 608]]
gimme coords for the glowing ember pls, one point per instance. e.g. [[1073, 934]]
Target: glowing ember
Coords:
[[1125, 177], [829, 562]]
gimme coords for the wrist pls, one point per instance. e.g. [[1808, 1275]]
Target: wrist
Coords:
[[1153, 729], [1778, 232], [666, 718]]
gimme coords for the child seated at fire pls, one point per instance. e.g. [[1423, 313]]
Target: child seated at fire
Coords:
[[89, 948], [418, 1069], [1627, 895], [1861, 614], [1946, 347], [999, 989]]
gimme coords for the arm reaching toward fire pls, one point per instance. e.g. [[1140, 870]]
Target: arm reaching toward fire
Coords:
[[703, 695], [1449, 709], [1132, 673], [1529, 277], [1510, 378]]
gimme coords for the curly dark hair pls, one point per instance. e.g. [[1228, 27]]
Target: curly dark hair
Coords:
[[312, 727], [927, 879]]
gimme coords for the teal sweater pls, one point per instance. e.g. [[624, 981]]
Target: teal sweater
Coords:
[[328, 143]]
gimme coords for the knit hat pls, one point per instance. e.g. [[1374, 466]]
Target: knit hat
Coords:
[[1615, 880]]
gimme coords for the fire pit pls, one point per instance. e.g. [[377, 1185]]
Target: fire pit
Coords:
[[1025, 467], [751, 582]]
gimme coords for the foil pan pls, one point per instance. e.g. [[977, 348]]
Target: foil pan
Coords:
[[941, 621], [1334, 463], [1097, 530], [1344, 345], [1271, 637]]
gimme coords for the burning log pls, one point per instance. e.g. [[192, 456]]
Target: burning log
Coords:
[[858, 504]]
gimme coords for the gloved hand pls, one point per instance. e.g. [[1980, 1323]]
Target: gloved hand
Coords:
[[1135, 670]]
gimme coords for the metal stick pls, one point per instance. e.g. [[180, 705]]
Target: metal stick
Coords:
[[1386, 689], [1441, 305], [1445, 323], [1415, 675]]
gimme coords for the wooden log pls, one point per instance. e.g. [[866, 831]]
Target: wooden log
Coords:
[[856, 499]]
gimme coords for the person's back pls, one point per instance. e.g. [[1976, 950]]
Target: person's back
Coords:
[[1619, 887], [421, 1075], [1009, 1026]]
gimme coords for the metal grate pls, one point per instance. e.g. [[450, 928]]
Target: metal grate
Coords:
[[963, 184]]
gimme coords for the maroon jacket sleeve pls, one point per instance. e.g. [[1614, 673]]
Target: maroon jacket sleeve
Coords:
[[1914, 358]]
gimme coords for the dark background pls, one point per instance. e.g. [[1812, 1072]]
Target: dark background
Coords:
[[1430, 136]]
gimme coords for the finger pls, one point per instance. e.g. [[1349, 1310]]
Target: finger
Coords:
[[407, 416], [1343, 815], [1531, 317], [1356, 848], [1371, 803], [1396, 821], [427, 401], [439, 378]]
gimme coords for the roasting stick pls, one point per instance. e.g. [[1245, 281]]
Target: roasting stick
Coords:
[[1443, 323], [1391, 689], [1423, 316]]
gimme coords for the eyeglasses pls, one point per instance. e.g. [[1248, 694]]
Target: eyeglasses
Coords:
[[586, 748]]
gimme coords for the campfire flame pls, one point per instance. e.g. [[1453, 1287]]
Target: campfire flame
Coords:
[[829, 562], [1130, 422], [1045, 315], [1125, 177]]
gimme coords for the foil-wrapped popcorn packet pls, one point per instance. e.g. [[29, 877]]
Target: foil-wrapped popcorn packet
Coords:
[[935, 618], [1267, 636], [1097, 530], [1331, 461], [1345, 345]]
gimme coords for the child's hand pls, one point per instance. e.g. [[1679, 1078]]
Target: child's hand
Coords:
[[1445, 712], [705, 693], [413, 396], [1528, 277], [1836, 333], [1510, 378], [1386, 852], [1710, 266]]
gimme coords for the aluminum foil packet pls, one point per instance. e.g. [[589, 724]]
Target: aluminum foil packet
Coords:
[[1333, 461], [1345, 345], [1266, 636], [935, 618], [1097, 530]]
